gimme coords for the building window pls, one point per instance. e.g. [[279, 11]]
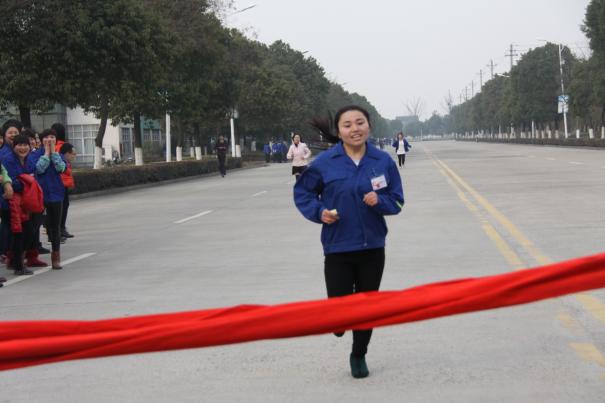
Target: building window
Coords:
[[83, 139], [127, 144]]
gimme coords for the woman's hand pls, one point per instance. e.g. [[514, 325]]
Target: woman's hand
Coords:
[[8, 191], [371, 199], [329, 216], [46, 142]]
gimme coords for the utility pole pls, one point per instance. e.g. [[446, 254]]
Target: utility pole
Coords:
[[472, 88], [512, 53], [466, 93], [491, 65], [480, 79]]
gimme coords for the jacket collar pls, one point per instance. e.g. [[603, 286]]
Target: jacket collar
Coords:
[[371, 151]]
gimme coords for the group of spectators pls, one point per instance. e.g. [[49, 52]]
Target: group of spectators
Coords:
[[275, 151], [36, 177]]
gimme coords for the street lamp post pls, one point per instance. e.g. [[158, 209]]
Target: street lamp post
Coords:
[[563, 89], [563, 99], [233, 116]]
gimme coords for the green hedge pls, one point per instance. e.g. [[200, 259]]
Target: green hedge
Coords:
[[91, 180], [572, 141]]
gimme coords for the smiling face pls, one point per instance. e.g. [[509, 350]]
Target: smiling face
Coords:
[[353, 128], [21, 150], [10, 134]]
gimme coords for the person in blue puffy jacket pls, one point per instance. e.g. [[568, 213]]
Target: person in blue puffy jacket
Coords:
[[48, 165], [349, 189]]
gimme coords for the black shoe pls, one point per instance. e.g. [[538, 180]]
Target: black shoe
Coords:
[[23, 272], [359, 368], [339, 334], [66, 234], [63, 239], [43, 251]]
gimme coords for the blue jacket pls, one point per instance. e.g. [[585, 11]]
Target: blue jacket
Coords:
[[333, 181], [5, 151], [266, 149], [14, 168], [275, 149], [48, 174], [406, 145]]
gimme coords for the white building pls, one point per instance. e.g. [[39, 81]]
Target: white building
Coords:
[[118, 141]]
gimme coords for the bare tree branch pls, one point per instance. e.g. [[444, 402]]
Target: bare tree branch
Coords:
[[414, 106]]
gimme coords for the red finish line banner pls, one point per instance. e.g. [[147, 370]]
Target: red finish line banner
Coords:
[[27, 343]]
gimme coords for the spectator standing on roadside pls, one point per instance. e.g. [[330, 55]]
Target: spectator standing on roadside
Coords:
[[19, 221], [48, 166], [37, 219], [275, 151], [267, 152], [10, 129], [68, 152], [221, 154], [349, 189]]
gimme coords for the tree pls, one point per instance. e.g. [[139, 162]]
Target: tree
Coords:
[[414, 106], [36, 61], [594, 27]]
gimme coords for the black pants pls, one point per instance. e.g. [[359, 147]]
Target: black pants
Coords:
[[221, 164], [53, 223], [64, 212], [20, 241], [37, 221], [352, 272], [267, 157], [401, 158]]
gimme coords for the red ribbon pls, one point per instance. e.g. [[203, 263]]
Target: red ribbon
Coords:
[[27, 343]]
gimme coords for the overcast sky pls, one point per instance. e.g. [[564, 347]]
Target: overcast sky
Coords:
[[393, 51]]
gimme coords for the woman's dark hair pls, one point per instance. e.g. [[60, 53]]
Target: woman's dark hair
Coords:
[[299, 136], [11, 123], [59, 131], [47, 132], [28, 132], [66, 148], [328, 127], [20, 139]]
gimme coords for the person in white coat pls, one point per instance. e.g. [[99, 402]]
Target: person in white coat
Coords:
[[299, 153]]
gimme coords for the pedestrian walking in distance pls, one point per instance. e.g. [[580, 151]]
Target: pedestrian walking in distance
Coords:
[[221, 154], [349, 189]]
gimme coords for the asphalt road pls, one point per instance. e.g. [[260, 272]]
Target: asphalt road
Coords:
[[472, 209]]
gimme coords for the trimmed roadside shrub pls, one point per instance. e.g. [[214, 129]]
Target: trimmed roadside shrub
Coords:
[[91, 180]]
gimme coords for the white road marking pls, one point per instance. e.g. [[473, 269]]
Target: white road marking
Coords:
[[576, 163], [259, 193], [184, 220], [48, 268]]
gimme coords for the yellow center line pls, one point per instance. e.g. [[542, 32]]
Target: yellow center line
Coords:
[[505, 250], [535, 253], [586, 351]]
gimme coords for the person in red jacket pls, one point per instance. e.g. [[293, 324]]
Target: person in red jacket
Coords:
[[68, 152]]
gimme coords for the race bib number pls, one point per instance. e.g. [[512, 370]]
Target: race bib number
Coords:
[[379, 182]]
